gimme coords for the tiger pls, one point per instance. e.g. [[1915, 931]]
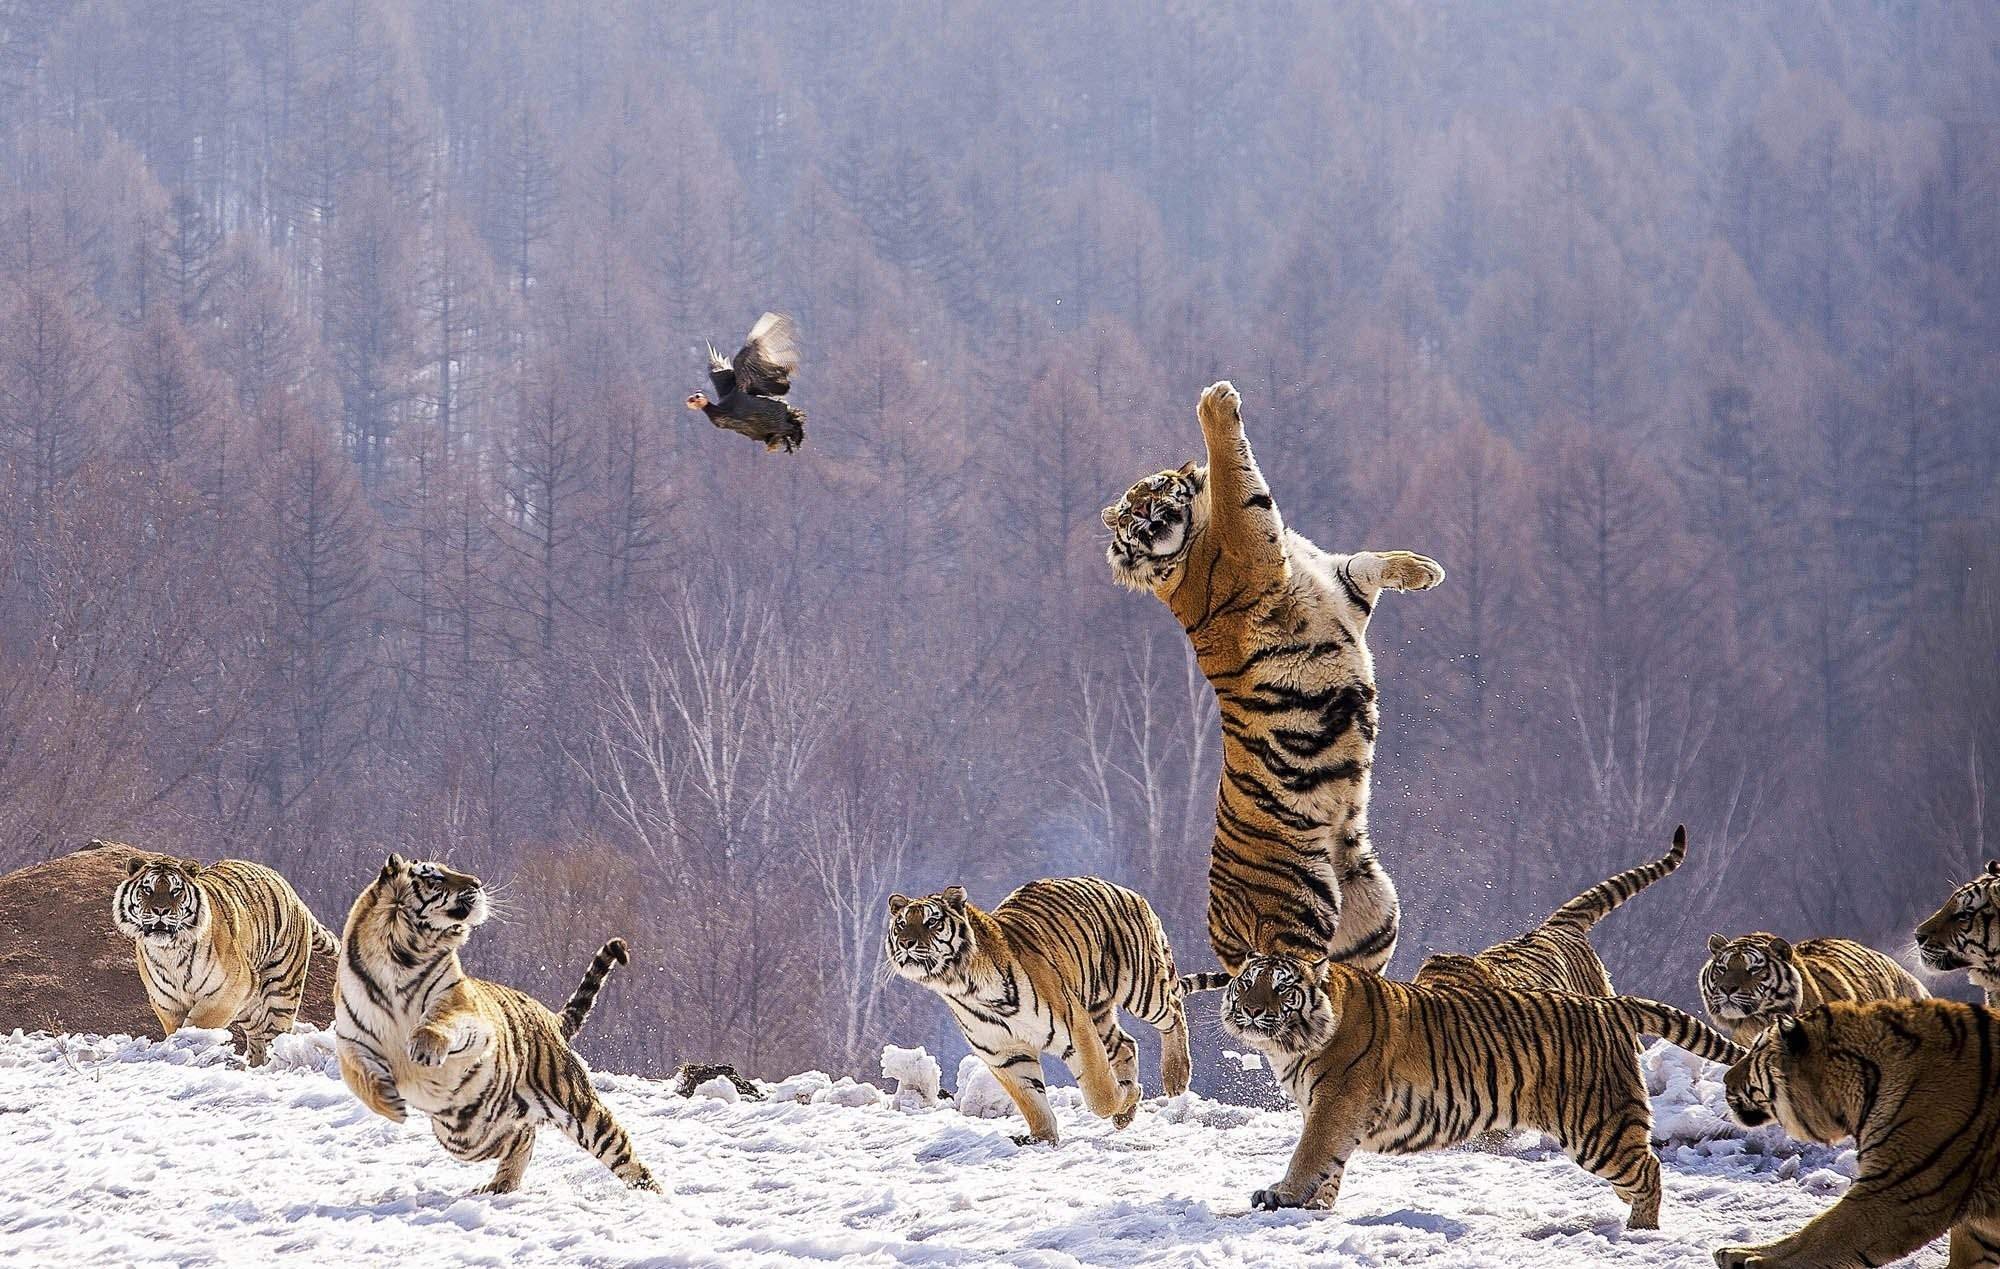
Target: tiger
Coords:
[[218, 946], [1912, 1081], [1965, 933], [1752, 980], [1045, 972], [1399, 1068], [1277, 626], [1557, 955], [488, 1064]]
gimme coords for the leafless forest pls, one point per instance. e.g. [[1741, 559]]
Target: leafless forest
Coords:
[[350, 504]]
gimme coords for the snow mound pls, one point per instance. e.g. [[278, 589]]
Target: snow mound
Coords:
[[720, 1088], [917, 1076], [123, 1150]]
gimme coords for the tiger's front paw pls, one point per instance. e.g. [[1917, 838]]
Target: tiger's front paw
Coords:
[[429, 1046], [1030, 1139], [1276, 1197], [1738, 1257], [1221, 406]]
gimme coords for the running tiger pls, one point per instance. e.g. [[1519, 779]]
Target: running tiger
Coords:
[[1399, 1068], [1752, 980], [487, 1063], [1556, 955], [1912, 1081], [219, 946], [1277, 627], [1046, 972], [1965, 932]]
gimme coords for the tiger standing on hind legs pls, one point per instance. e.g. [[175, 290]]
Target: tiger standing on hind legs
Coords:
[[1278, 628]]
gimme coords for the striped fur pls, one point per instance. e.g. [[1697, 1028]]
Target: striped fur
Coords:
[[1913, 1082], [224, 945], [1398, 1068], [1752, 980], [577, 1011], [1278, 628], [488, 1064], [1557, 955], [1046, 972], [1965, 932], [1208, 981]]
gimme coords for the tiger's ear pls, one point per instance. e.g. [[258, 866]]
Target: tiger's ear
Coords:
[[897, 902], [1993, 867], [954, 898], [188, 867], [1781, 949], [1110, 515], [1716, 943], [1314, 970], [137, 864], [395, 865], [1195, 473], [1793, 1034]]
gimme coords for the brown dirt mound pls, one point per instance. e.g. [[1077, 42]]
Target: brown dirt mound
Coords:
[[65, 967]]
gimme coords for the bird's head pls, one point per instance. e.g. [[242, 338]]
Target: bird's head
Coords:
[[698, 401]]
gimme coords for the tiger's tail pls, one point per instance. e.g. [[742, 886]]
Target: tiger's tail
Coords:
[[1598, 902], [1650, 1017], [323, 939], [1213, 980], [577, 1011]]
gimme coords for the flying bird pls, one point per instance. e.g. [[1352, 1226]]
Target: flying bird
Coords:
[[750, 387]]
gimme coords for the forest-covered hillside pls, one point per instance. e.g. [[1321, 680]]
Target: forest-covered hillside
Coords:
[[350, 503]]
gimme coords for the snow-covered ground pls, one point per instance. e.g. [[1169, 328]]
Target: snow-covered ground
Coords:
[[117, 1151]]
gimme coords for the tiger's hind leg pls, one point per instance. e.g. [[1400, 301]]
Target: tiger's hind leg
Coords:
[[574, 1108], [514, 1156], [1124, 1054], [1371, 914], [1175, 1063], [1625, 1158]]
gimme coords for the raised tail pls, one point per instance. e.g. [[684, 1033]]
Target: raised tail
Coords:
[[1213, 980], [575, 1013], [1650, 1017], [1598, 902]]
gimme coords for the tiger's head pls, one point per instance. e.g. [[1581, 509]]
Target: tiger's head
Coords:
[[1279, 1004], [1965, 932], [424, 905], [1153, 526], [1749, 977], [159, 901], [1797, 1074], [928, 936]]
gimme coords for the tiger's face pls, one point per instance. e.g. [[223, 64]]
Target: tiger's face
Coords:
[[1277, 1004], [1752, 976], [927, 936], [436, 905], [1793, 1075], [158, 901], [1153, 525], [1965, 932]]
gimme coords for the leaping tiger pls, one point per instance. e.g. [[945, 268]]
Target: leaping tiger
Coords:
[[1278, 627], [487, 1063], [218, 946]]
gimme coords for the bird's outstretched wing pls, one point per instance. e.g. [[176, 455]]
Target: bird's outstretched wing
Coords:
[[720, 374], [769, 357]]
